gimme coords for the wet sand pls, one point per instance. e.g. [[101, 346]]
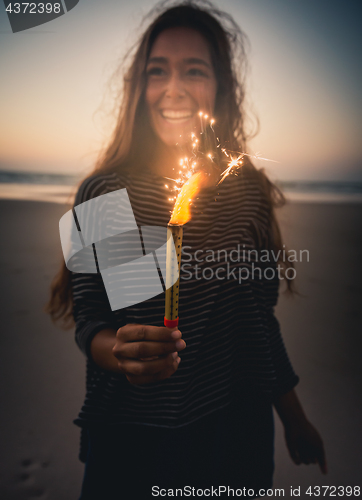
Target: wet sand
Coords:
[[42, 370]]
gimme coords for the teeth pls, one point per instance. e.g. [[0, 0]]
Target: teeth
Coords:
[[176, 115]]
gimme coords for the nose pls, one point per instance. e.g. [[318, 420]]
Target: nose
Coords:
[[175, 87]]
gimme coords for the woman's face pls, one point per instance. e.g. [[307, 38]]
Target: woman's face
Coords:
[[180, 83]]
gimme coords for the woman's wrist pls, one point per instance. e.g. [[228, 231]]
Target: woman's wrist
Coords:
[[290, 409], [101, 349]]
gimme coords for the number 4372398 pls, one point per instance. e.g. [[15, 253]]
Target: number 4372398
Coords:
[[33, 8], [333, 491]]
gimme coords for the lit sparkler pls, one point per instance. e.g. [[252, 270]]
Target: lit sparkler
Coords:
[[180, 215], [187, 186]]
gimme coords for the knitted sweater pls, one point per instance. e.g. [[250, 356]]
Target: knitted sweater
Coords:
[[227, 299]]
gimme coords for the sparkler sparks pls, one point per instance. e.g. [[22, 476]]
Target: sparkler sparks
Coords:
[[207, 162], [233, 163]]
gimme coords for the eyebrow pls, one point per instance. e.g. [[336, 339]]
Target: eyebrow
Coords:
[[189, 60]]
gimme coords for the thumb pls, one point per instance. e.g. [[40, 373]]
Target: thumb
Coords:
[[293, 452], [295, 457], [322, 462]]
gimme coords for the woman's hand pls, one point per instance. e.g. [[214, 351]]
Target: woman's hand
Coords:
[[305, 444], [146, 353], [303, 441]]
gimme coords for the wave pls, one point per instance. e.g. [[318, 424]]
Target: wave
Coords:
[[15, 177], [61, 187]]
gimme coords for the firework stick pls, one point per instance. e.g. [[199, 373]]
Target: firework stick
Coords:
[[173, 263], [180, 215]]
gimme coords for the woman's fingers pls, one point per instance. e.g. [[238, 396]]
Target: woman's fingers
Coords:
[[305, 451], [321, 459], [144, 341], [147, 353], [313, 450], [148, 379], [150, 367], [141, 372], [295, 457], [139, 350], [308, 449], [134, 333]]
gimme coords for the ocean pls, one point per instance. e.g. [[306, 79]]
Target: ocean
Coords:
[[60, 188], [38, 186]]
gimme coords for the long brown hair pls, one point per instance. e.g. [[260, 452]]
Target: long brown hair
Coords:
[[228, 46]]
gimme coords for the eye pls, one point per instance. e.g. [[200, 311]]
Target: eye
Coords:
[[197, 72], [156, 71]]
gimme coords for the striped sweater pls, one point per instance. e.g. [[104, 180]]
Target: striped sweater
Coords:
[[226, 317]]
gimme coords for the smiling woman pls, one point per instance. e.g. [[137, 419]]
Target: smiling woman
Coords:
[[148, 419], [180, 82]]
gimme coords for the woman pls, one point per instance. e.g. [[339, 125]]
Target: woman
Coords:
[[149, 420]]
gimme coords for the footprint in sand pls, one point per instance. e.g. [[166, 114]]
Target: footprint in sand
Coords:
[[27, 478]]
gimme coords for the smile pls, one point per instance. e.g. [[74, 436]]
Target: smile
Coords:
[[178, 116]]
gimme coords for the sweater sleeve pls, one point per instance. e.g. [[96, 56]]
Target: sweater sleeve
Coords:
[[267, 289], [286, 378], [91, 309]]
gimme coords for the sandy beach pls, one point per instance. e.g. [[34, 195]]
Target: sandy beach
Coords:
[[43, 372]]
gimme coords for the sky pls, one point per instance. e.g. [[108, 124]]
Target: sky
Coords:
[[304, 85]]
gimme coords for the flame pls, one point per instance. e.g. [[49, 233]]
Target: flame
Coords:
[[181, 212]]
